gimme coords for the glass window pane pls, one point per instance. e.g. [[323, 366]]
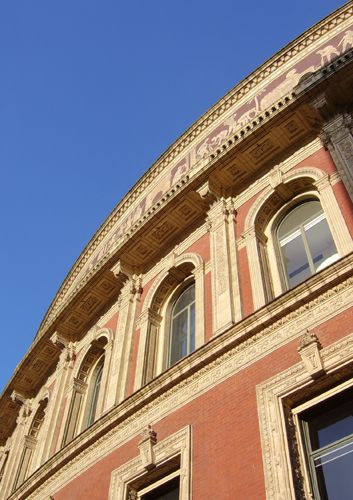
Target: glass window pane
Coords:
[[192, 329], [182, 332], [185, 299], [335, 431], [320, 242], [334, 469], [295, 261], [179, 337], [331, 423], [96, 381], [299, 215], [168, 491]]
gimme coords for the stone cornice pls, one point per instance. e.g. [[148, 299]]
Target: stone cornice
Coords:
[[308, 305], [273, 66]]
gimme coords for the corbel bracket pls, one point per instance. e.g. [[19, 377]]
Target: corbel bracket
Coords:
[[309, 350], [146, 445]]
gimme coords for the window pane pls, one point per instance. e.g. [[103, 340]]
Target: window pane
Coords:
[[332, 423], [96, 381], [192, 329], [179, 340], [330, 447], [186, 298], [182, 327], [335, 471], [168, 491], [295, 261], [320, 242], [305, 241], [300, 214]]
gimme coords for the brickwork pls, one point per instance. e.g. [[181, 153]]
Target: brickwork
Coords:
[[184, 348]]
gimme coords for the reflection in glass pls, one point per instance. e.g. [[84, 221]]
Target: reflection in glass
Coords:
[[329, 434], [305, 242], [182, 333], [96, 383], [167, 491]]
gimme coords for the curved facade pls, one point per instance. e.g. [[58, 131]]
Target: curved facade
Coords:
[[201, 346]]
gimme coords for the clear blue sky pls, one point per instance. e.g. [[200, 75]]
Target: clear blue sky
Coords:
[[91, 93]]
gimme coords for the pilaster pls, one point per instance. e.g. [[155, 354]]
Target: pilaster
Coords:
[[335, 219], [149, 323], [336, 136], [17, 444], [62, 378], [225, 286], [199, 276], [129, 301], [256, 274]]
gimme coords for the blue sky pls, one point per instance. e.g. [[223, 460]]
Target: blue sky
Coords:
[[91, 93]]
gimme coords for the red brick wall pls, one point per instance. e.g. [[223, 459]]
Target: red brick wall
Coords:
[[225, 434]]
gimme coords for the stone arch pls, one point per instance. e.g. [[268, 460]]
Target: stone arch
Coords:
[[80, 387], [105, 332], [153, 323], [285, 189], [186, 262], [281, 187], [44, 393], [38, 417], [93, 352]]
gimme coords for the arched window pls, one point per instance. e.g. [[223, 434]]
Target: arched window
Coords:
[[30, 444], [182, 326], [84, 406], [172, 320], [93, 393], [305, 242], [3, 464]]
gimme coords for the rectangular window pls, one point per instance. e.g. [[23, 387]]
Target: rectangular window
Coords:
[[166, 488], [327, 430]]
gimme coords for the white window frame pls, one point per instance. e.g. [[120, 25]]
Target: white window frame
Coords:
[[158, 483], [300, 231], [302, 447], [177, 444], [271, 395]]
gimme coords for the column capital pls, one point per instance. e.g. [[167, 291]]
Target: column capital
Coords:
[[198, 270], [30, 441], [78, 385], [322, 183], [337, 128]]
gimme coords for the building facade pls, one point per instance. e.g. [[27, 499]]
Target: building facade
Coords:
[[202, 344]]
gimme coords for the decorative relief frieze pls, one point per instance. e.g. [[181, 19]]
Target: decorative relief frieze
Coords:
[[271, 82]]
